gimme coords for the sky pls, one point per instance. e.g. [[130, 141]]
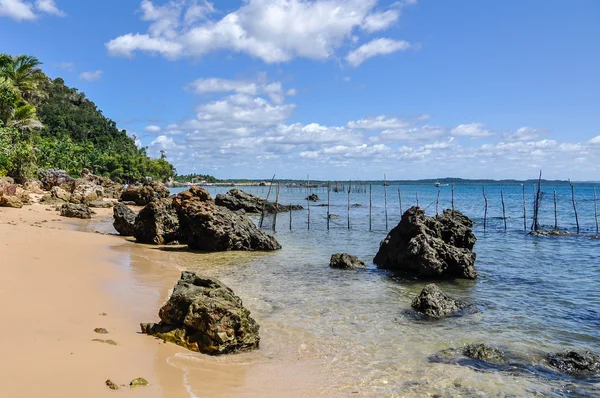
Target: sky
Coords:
[[334, 89]]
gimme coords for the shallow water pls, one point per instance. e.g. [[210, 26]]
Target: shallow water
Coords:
[[339, 333]]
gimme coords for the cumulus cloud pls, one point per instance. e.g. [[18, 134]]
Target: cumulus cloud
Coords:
[[524, 134], [152, 129], [21, 10], [68, 66], [374, 48], [274, 90], [272, 30], [91, 75], [473, 130], [595, 140]]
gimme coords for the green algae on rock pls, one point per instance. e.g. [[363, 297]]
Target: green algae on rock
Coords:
[[138, 382], [204, 315], [101, 331], [110, 384], [110, 342]]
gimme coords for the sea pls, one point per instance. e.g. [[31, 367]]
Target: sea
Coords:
[[329, 332]]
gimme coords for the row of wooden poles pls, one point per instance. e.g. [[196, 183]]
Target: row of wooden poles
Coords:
[[534, 226]]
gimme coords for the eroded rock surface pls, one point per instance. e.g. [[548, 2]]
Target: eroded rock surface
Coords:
[[440, 246], [157, 223], [345, 261], [434, 303], [206, 316], [575, 363], [76, 211], [145, 193], [124, 219], [236, 199]]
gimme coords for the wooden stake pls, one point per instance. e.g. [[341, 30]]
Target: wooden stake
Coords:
[[262, 213], [385, 201], [453, 198], [290, 217], [400, 201], [276, 209], [555, 213], [417, 195], [349, 189], [524, 210], [486, 208], [536, 209], [370, 207], [574, 206], [328, 204], [503, 209], [437, 203], [596, 210]]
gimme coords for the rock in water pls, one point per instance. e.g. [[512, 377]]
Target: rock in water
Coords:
[[206, 226], [236, 199], [575, 363], [147, 193], [75, 211], [434, 303], [124, 219], [313, 197], [345, 261], [157, 223], [440, 246], [206, 316]]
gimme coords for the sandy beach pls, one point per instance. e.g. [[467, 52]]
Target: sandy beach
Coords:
[[58, 286]]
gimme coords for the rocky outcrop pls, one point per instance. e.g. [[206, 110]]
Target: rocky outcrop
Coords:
[[76, 211], [101, 204], [84, 191], [110, 188], [60, 194], [11, 201], [236, 199], [206, 316], [34, 186], [440, 246], [206, 226], [575, 363], [312, 197], [157, 223], [345, 261], [124, 220], [483, 353], [434, 303], [146, 193], [53, 178]]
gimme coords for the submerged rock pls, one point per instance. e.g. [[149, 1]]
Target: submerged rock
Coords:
[[313, 197], [575, 363], [440, 246], [345, 261], [157, 223], [76, 211], [146, 193], [206, 316], [552, 232], [124, 219], [434, 303], [236, 199], [487, 356]]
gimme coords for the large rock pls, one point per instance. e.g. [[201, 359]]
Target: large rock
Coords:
[[76, 211], [313, 197], [60, 194], [440, 246], [111, 189], [11, 201], [236, 199], [157, 223], [84, 191], [53, 178], [345, 261], [206, 226], [575, 363], [124, 221], [146, 193], [434, 303], [34, 186], [206, 316]]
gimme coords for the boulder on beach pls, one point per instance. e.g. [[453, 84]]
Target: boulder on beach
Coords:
[[124, 219], [11, 201], [34, 186], [157, 223], [84, 191], [59, 194], [110, 188], [236, 199], [345, 261], [145, 193], [76, 211], [206, 226], [206, 316], [100, 204], [53, 178], [575, 363], [434, 303], [312, 197], [440, 246]]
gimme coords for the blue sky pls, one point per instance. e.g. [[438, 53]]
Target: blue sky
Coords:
[[331, 88]]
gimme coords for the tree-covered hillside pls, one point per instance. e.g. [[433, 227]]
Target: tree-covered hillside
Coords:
[[44, 123]]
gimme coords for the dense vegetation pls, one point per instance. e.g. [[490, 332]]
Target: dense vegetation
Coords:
[[195, 178], [44, 123]]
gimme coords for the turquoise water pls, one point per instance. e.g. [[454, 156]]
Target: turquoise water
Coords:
[[533, 295]]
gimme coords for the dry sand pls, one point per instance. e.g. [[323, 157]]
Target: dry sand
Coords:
[[56, 283]]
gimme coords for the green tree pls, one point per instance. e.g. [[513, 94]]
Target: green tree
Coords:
[[26, 76]]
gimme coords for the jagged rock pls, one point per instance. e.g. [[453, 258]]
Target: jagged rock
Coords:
[[111, 189], [345, 261], [312, 197], [478, 352], [236, 199], [60, 194], [100, 204], [127, 202], [10, 201], [206, 316], [575, 363], [6, 180], [110, 384], [434, 303], [84, 191], [53, 178], [124, 221], [552, 232], [157, 223], [138, 382], [100, 331], [334, 217], [205, 226], [440, 246], [76, 211], [147, 193], [34, 186]]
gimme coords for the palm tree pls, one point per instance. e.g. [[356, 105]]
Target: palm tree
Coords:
[[24, 117], [26, 76]]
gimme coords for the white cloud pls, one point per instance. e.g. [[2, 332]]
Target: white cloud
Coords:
[[272, 30], [91, 76], [375, 47], [524, 134], [378, 123], [49, 7], [152, 129], [595, 140], [473, 130], [273, 90], [21, 10], [68, 66]]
